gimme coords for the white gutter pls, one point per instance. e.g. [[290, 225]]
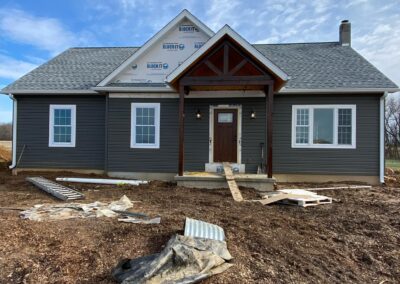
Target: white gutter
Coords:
[[382, 138], [135, 89], [14, 134], [337, 90], [52, 92]]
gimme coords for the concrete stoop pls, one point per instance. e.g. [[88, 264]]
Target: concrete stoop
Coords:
[[213, 181]]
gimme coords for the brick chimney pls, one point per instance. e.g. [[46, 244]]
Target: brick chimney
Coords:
[[345, 33]]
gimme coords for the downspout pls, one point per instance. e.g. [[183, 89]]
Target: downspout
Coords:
[[14, 133], [382, 138]]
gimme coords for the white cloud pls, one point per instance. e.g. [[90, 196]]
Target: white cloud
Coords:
[[44, 33], [381, 47], [11, 68], [223, 12]]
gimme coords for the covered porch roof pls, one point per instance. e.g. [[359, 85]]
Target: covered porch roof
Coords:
[[227, 61]]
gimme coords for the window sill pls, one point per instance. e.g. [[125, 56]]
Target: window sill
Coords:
[[324, 146], [61, 145], [145, 146]]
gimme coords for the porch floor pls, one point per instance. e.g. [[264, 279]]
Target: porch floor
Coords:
[[208, 180]]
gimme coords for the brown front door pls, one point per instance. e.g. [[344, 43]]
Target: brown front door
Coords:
[[225, 135]]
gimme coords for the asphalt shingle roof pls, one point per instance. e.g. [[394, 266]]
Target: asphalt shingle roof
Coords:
[[309, 65], [74, 69], [324, 66]]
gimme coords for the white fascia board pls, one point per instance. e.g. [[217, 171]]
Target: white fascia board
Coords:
[[337, 90], [182, 15], [135, 89], [54, 92], [227, 30]]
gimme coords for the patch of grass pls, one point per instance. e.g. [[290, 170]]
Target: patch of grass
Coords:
[[393, 164]]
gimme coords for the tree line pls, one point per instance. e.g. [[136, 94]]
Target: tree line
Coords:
[[392, 128]]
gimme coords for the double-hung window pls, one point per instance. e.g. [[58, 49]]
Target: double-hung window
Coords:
[[62, 126], [324, 126], [145, 125]]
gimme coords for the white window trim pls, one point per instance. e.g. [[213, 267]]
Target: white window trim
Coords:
[[73, 126], [156, 145], [335, 145]]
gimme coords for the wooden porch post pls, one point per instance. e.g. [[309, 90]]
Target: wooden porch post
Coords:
[[269, 108], [182, 91]]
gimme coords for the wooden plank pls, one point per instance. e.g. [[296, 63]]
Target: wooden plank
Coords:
[[236, 194]]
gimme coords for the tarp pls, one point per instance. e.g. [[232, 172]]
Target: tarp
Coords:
[[183, 260]]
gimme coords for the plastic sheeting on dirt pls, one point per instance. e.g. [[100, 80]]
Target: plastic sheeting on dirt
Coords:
[[184, 260], [65, 211]]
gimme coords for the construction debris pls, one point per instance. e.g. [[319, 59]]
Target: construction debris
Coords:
[[305, 198], [134, 220], [338, 187], [102, 181], [273, 197], [65, 211], [55, 189], [183, 260], [199, 229], [233, 187], [299, 197]]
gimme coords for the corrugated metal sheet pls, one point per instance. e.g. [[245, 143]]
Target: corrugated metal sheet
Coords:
[[200, 229]]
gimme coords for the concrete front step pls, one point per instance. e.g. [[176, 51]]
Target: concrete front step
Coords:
[[212, 181]]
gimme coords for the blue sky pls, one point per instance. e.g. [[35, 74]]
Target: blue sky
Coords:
[[32, 32]]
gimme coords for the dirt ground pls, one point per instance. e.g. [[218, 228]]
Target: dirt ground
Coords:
[[355, 239]]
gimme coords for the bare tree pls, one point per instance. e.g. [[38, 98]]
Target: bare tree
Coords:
[[392, 128], [6, 131]]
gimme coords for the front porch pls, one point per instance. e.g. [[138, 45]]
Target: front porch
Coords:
[[260, 182], [228, 64]]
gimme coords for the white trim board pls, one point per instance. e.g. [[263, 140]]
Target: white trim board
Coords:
[[52, 108], [143, 96], [192, 95], [135, 89], [185, 14], [337, 90], [211, 131], [227, 30], [53, 92], [335, 144]]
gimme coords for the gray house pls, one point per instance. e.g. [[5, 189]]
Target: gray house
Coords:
[[190, 99]]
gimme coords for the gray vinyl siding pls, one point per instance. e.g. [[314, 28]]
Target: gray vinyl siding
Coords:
[[89, 153], [121, 158], [364, 160], [33, 131]]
